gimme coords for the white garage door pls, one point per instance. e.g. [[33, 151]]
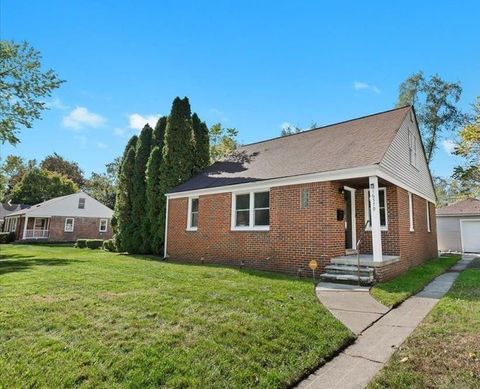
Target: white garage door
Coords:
[[470, 235]]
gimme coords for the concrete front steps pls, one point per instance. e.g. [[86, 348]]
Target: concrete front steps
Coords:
[[344, 269], [348, 274]]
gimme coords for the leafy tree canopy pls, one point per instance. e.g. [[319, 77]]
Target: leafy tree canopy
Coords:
[[23, 88], [435, 102], [39, 185], [223, 141], [56, 163]]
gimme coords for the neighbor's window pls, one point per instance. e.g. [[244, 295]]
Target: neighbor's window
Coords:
[[13, 225], [81, 203], [69, 223], [192, 214], [382, 201], [252, 210], [103, 225], [412, 148]]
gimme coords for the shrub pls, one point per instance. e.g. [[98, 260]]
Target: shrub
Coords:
[[7, 237], [94, 243], [109, 245], [81, 243]]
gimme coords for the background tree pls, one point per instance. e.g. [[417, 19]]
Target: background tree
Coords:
[[11, 171], [435, 102], [223, 141], [56, 163], [101, 187], [124, 201], [468, 147], [155, 202], [200, 145], [140, 226], [23, 88], [290, 130], [39, 185]]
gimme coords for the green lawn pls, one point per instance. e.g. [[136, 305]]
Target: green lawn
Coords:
[[77, 317], [444, 351], [397, 290]]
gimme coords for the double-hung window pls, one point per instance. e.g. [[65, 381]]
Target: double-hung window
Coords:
[[103, 225], [382, 202], [13, 224], [251, 211], [192, 222], [69, 224]]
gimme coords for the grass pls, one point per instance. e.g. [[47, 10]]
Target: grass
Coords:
[[397, 290], [79, 317], [444, 351]]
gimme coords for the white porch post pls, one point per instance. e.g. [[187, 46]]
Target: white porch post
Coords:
[[375, 219], [25, 228]]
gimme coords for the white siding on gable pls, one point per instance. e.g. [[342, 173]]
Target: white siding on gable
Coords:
[[396, 161]]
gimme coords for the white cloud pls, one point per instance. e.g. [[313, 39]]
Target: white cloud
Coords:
[[81, 117], [286, 125], [449, 146], [102, 145], [138, 121], [360, 85]]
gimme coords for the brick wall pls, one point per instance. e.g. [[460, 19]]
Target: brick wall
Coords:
[[84, 228], [296, 236]]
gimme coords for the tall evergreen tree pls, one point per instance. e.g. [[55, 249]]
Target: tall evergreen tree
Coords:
[[158, 137], [132, 142], [201, 145], [139, 221], [155, 202], [177, 158], [124, 202]]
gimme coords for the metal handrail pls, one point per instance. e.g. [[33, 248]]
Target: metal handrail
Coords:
[[358, 249]]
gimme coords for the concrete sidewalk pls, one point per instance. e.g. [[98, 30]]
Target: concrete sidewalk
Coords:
[[381, 331]]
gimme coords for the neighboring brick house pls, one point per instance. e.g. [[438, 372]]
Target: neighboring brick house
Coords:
[[278, 204], [62, 219]]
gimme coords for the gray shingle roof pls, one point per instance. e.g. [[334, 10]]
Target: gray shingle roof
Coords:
[[463, 207], [353, 143]]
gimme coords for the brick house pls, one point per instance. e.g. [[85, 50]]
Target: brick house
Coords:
[[276, 205], [62, 219]]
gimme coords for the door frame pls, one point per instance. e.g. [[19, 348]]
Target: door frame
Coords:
[[352, 216], [461, 229]]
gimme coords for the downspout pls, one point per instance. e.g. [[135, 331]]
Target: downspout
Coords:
[[165, 255]]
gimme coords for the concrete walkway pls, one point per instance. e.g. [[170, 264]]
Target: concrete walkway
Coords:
[[380, 330]]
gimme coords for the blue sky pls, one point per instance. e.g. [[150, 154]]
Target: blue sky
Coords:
[[253, 65]]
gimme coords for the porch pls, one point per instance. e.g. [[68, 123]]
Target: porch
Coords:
[[36, 228]]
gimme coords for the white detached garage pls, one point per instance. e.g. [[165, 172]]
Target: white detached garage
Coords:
[[458, 226]]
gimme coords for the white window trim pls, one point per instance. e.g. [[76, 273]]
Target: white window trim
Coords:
[[73, 224], [189, 214], [410, 211], [366, 201], [251, 226], [100, 225], [429, 228]]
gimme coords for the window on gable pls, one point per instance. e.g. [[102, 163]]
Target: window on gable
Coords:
[[192, 223], [412, 148], [81, 203], [382, 201], [251, 211], [103, 225], [69, 224]]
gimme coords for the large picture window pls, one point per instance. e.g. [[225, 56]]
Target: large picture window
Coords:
[[382, 201], [251, 211]]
